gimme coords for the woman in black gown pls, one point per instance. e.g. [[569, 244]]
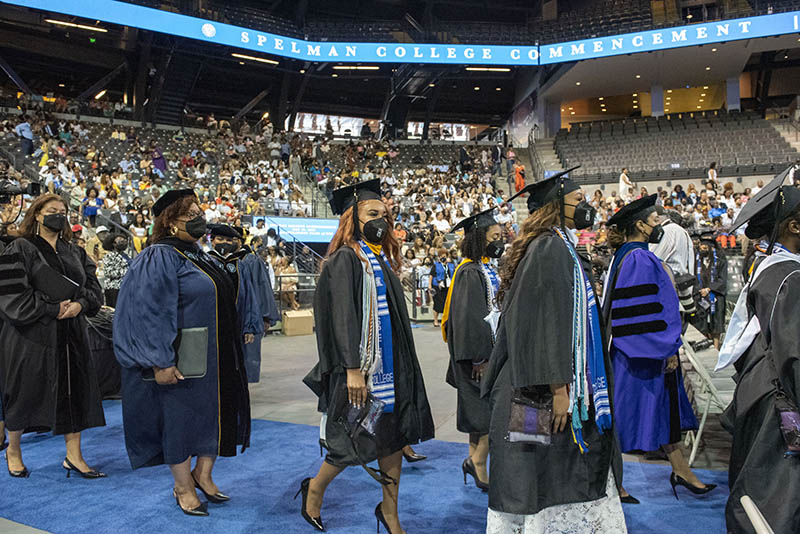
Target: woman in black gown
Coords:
[[468, 327], [365, 346], [47, 376], [711, 288], [175, 316], [566, 473], [765, 462]]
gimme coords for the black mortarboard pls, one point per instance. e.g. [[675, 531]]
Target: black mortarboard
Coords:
[[707, 235], [756, 212], [223, 230], [547, 190], [344, 197], [638, 210], [169, 198], [484, 219]]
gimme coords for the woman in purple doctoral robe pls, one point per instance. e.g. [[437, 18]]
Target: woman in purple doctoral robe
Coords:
[[640, 306]]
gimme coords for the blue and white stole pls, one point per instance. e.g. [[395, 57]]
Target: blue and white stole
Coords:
[[712, 298], [492, 286], [589, 369], [380, 368]]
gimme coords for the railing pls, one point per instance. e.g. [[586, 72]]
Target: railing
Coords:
[[295, 291], [537, 171]]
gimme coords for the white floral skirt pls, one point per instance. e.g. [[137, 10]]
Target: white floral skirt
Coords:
[[603, 516]]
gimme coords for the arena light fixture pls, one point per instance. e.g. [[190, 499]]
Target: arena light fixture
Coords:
[[254, 58], [302, 71], [61, 85], [572, 113], [431, 85], [705, 87], [708, 68], [635, 101], [635, 95], [334, 75], [78, 26], [702, 94], [638, 76], [698, 107], [477, 88], [701, 100], [601, 98], [497, 89], [635, 107], [669, 90], [713, 49], [488, 69], [577, 83], [356, 67], [99, 95], [604, 109]]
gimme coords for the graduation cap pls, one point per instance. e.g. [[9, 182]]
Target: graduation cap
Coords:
[[756, 212], [484, 219], [638, 210], [169, 198], [707, 235], [548, 190], [351, 195], [223, 230]]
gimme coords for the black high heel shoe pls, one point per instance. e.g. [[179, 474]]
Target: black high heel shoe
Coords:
[[216, 498], [315, 522], [675, 480], [4, 445], [411, 458], [200, 511], [629, 499], [17, 474], [468, 468], [88, 474], [381, 519]]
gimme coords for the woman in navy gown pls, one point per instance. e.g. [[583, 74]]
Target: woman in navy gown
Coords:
[[640, 306], [173, 294]]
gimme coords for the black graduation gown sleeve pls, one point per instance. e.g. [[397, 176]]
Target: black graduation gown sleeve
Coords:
[[720, 285], [20, 303], [538, 324], [469, 336], [90, 295]]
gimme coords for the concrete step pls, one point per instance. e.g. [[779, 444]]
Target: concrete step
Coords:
[[791, 135]]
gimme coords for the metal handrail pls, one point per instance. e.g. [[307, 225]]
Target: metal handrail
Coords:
[[536, 162]]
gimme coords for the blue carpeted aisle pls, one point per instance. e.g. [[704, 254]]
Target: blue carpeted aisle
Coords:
[[263, 481]]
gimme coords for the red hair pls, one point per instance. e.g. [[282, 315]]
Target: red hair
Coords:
[[344, 238]]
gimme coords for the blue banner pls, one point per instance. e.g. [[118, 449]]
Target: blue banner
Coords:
[[302, 229], [341, 52]]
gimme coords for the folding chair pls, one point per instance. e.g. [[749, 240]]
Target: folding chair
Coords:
[[760, 524], [705, 398]]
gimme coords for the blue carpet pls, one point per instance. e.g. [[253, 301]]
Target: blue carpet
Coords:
[[262, 482]]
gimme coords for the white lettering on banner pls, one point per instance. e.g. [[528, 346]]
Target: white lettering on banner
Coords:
[[796, 22], [616, 43], [678, 36], [278, 44], [381, 51], [515, 54], [451, 52], [313, 50], [417, 52], [400, 51], [638, 40], [469, 53], [434, 53], [578, 49], [745, 26], [658, 38], [723, 29], [533, 54], [557, 51], [702, 32], [261, 39], [598, 46], [350, 50], [295, 50], [245, 37], [487, 53], [332, 52]]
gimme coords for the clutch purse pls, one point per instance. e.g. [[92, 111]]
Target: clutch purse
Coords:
[[192, 354], [789, 421], [531, 417]]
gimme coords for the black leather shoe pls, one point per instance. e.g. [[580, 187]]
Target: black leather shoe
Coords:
[[629, 499], [200, 511], [17, 474], [315, 522], [414, 457], [675, 480], [88, 474], [216, 498], [468, 468]]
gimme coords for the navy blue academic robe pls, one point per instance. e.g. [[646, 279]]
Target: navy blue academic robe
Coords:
[[255, 270], [641, 305], [170, 286]]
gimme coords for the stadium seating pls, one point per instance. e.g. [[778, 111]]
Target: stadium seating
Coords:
[[674, 146]]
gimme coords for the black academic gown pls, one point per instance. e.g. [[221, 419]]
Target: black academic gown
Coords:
[[758, 467], [534, 349], [469, 340], [47, 375], [714, 323], [338, 315]]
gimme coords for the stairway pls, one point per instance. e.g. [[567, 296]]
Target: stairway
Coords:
[[789, 133], [181, 76], [547, 154]]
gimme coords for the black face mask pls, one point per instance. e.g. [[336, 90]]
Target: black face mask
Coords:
[[375, 229], [495, 249], [225, 249], [196, 227], [54, 221], [584, 215], [656, 235], [120, 247]]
